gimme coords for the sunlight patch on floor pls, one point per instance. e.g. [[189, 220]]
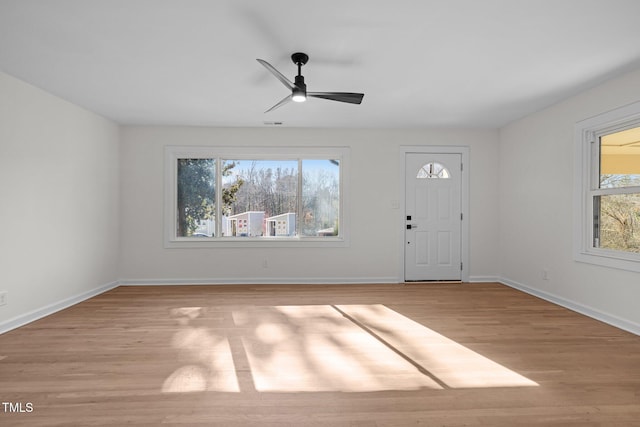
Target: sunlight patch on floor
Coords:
[[314, 348], [454, 364], [205, 357]]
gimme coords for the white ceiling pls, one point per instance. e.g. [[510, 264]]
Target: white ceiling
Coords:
[[420, 63]]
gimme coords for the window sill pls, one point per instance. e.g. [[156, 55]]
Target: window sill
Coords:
[[610, 259], [261, 242]]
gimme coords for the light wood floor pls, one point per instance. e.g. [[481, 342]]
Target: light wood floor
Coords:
[[320, 355]]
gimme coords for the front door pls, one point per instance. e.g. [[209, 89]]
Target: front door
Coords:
[[433, 226]]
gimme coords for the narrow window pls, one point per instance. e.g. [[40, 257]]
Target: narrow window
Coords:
[[320, 197], [196, 197]]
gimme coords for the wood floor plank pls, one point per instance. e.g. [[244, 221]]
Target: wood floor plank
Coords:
[[330, 355]]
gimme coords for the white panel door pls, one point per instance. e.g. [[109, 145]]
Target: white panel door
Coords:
[[433, 226]]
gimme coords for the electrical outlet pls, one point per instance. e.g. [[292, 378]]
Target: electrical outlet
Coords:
[[265, 263], [3, 297], [545, 274]]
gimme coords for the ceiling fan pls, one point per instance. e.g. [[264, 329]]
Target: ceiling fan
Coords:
[[299, 88]]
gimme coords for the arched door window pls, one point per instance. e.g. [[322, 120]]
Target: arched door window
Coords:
[[433, 170]]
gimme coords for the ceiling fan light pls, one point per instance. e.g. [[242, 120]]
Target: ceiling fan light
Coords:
[[298, 95]]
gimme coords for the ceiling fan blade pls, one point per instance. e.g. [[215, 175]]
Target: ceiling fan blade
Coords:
[[280, 104], [285, 81], [351, 98]]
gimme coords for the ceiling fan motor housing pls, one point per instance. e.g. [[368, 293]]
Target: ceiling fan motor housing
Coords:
[[299, 91], [299, 82]]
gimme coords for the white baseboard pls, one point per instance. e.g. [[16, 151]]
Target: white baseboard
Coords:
[[263, 281], [287, 281], [39, 313], [484, 279], [612, 320]]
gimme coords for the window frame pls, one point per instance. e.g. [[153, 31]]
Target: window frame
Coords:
[[173, 153], [587, 187]]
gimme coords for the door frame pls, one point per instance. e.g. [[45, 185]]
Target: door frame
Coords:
[[464, 192]]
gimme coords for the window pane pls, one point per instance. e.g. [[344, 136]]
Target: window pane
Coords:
[[620, 159], [433, 170], [259, 198], [320, 197], [196, 198], [617, 222]]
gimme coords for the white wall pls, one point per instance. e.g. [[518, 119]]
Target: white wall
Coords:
[[81, 205], [59, 202], [536, 211], [373, 255]]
